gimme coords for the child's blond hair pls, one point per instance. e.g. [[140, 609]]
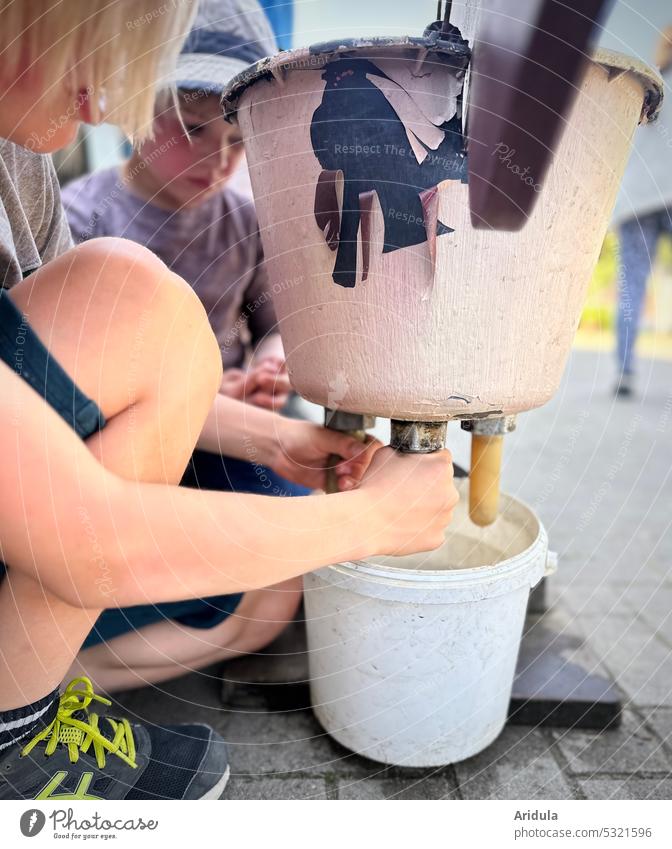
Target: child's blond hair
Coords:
[[117, 50]]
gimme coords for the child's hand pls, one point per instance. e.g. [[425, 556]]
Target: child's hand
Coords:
[[233, 383], [270, 384], [265, 384], [411, 500], [304, 449]]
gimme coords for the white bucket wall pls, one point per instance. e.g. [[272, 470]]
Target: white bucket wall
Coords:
[[489, 328], [414, 665]]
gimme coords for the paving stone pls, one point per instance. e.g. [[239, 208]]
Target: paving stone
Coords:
[[653, 605], [641, 663], [518, 765], [267, 743], [192, 698], [374, 788], [627, 788], [629, 748], [660, 719], [276, 788], [648, 597]]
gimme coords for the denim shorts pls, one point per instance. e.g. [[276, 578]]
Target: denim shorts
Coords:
[[22, 351]]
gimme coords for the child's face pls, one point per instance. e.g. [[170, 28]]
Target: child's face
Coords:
[[192, 166], [44, 118]]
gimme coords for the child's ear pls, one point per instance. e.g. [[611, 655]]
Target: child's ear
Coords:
[[84, 111], [91, 105]]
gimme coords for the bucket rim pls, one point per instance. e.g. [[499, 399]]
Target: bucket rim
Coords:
[[652, 81], [316, 56], [469, 576]]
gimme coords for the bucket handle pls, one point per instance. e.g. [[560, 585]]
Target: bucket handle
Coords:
[[551, 563]]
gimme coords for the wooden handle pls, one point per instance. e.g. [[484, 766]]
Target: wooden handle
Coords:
[[486, 465]]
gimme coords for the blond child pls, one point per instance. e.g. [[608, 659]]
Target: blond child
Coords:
[[108, 373]]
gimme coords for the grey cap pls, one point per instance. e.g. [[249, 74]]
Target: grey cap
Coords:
[[227, 37]]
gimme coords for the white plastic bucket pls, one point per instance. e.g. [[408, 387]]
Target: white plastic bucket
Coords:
[[412, 659]]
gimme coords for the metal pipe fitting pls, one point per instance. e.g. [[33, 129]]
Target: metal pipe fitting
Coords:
[[346, 422], [496, 426], [418, 437]]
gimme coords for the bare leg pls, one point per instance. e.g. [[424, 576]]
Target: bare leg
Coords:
[[136, 340], [168, 650]]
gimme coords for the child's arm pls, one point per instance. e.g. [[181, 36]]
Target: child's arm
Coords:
[[261, 319], [65, 517], [296, 450]]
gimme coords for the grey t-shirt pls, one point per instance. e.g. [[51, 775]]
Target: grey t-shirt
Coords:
[[215, 247], [33, 228]]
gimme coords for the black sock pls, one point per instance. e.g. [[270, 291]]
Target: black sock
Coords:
[[22, 722]]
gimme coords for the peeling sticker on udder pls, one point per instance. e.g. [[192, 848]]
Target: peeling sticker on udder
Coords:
[[408, 113], [372, 131]]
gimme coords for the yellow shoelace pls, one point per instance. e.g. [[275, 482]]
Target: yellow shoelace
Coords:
[[78, 735]]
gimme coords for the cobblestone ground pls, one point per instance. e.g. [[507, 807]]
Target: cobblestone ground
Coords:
[[597, 471]]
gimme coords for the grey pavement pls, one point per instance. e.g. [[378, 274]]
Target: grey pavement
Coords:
[[598, 472]]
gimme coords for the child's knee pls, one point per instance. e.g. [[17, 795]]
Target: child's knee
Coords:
[[158, 304], [107, 267], [107, 280], [125, 273], [139, 319]]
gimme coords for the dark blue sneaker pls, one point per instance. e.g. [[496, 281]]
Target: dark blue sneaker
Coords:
[[82, 755]]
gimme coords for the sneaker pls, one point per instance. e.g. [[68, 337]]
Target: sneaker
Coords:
[[82, 755], [624, 386]]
